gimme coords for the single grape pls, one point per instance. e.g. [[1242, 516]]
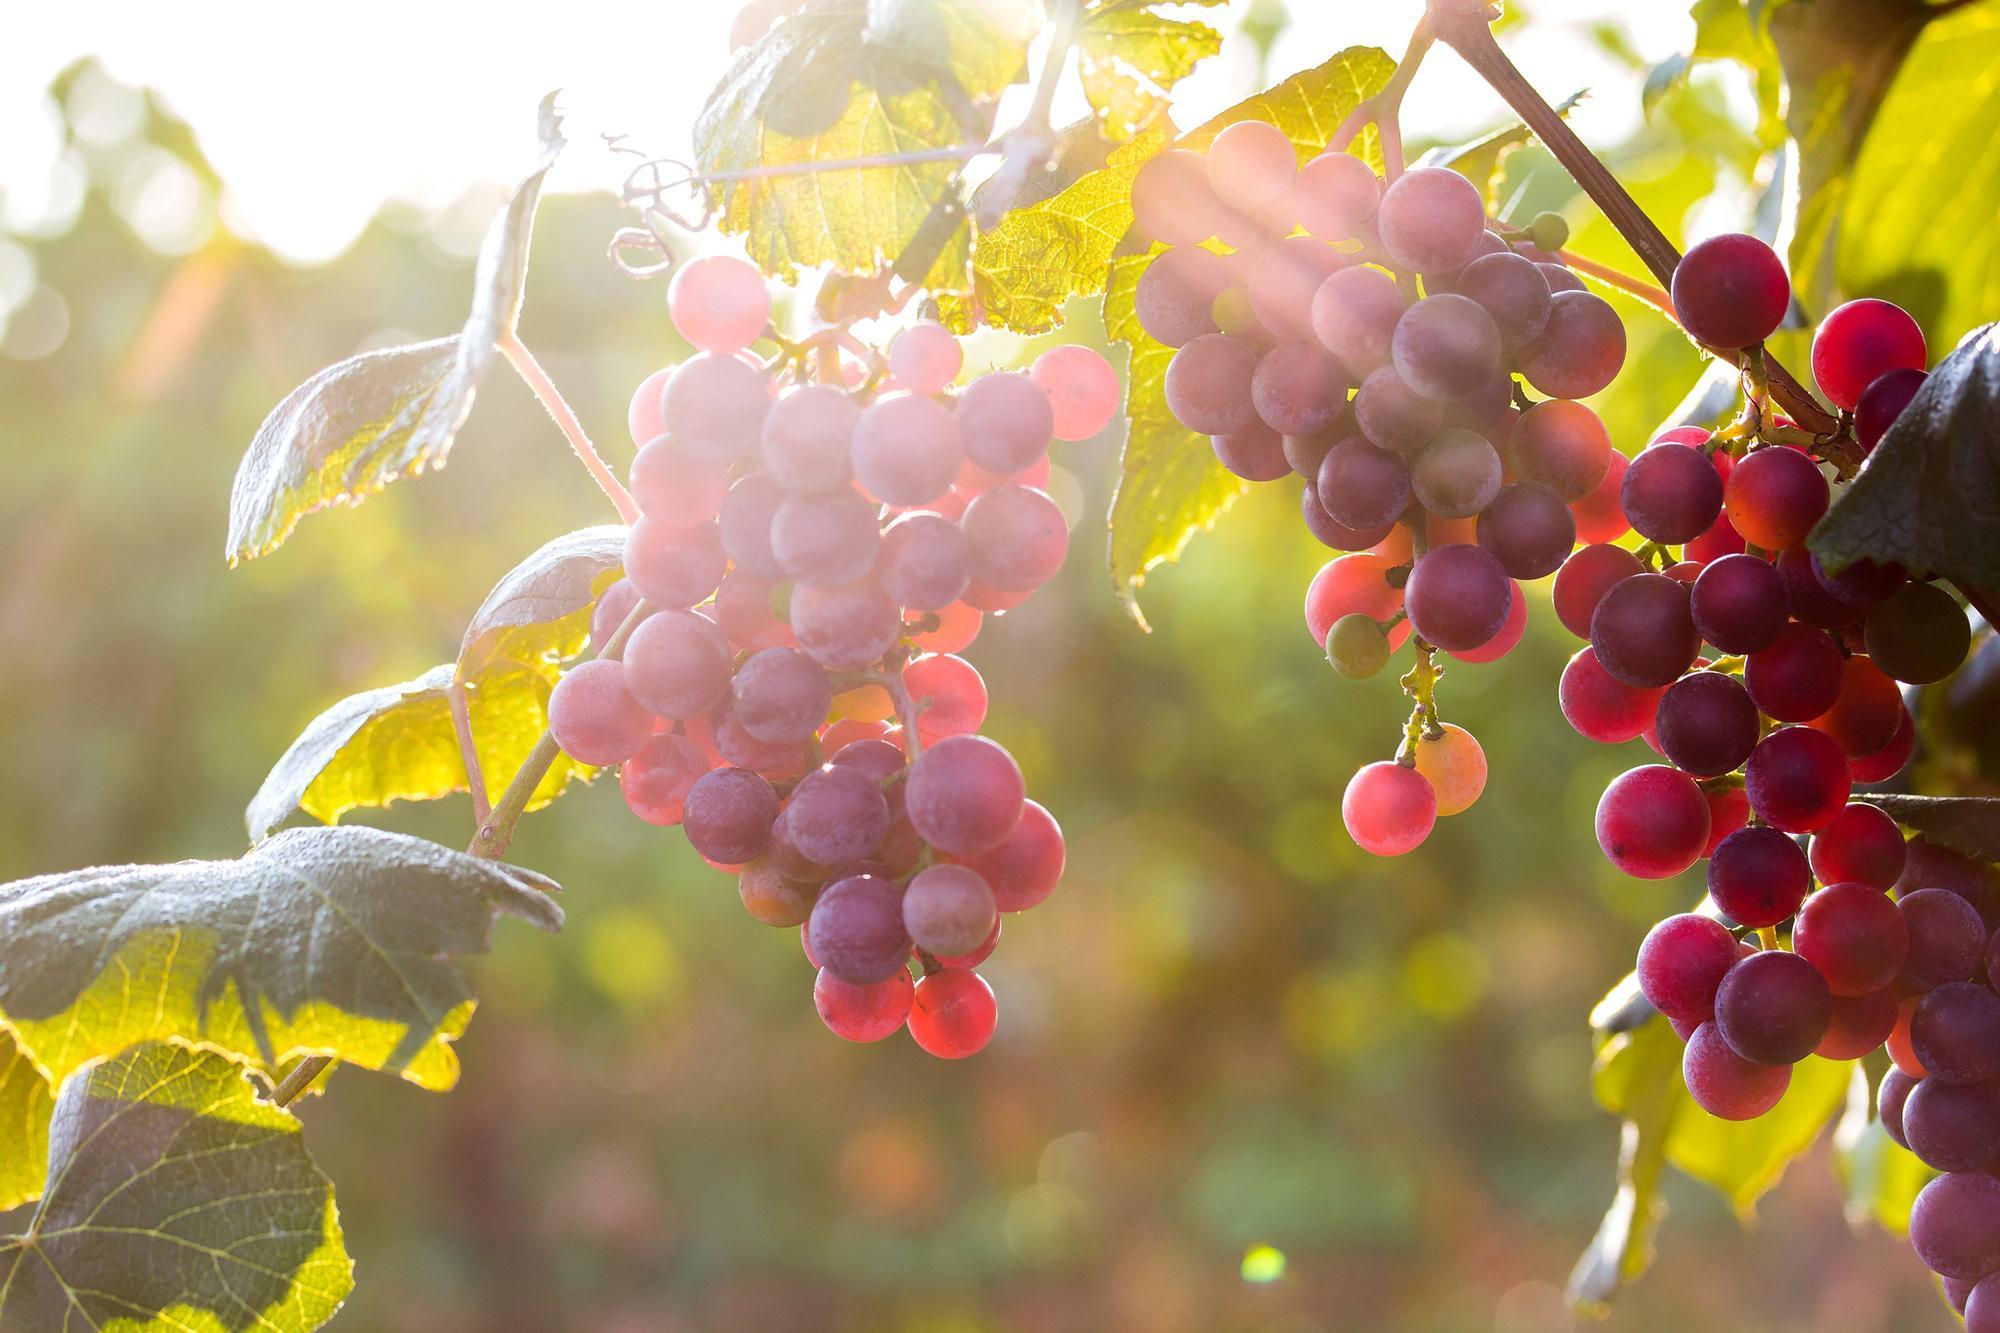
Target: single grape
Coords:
[[1706, 724], [1671, 494], [714, 405], [1919, 635], [728, 815], [1861, 845], [1357, 647], [1335, 196], [1580, 349], [1355, 314], [718, 303], [1298, 389], [1389, 809], [594, 718], [1854, 935], [1392, 415], [1861, 583], [655, 781], [1528, 528], [1509, 636], [953, 1014], [804, 443], [1865, 716], [1681, 962], [1208, 384], [1726, 1085], [1738, 604], [1017, 538], [643, 416], [1513, 291], [824, 540], [845, 628], [1643, 630], [1948, 940], [1797, 779], [780, 695], [676, 664], [1354, 583], [1255, 453], [1361, 486], [674, 567], [773, 897], [1172, 200], [1457, 596], [1798, 677], [1600, 708], [1252, 166], [1859, 343], [1454, 764], [949, 693], [1652, 822], [1583, 580], [1859, 1026], [867, 1012], [1891, 1095], [1731, 291], [906, 448], [1563, 445], [964, 795], [1457, 474], [677, 486], [836, 815], [856, 929], [1774, 496], [1955, 1032], [1176, 295], [1758, 877], [1083, 389], [1559, 277], [1005, 422], [747, 512], [1773, 1007], [1950, 1126], [1283, 280], [925, 358], [1431, 220], [1446, 346], [949, 909], [925, 561], [1882, 402]]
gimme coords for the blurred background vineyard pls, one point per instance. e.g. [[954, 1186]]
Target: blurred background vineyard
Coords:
[[1247, 1078]]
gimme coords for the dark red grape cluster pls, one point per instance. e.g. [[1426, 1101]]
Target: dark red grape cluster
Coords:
[[809, 562], [1368, 338]]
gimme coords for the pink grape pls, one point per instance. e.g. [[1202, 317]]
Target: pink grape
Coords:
[[906, 448], [1388, 809], [949, 909], [856, 929], [1082, 387], [676, 486], [728, 815], [1563, 445], [743, 609], [964, 795], [1601, 708], [1283, 280], [1172, 200], [643, 417], [1353, 583], [925, 561], [804, 443], [1860, 342], [949, 693], [676, 664], [1005, 421], [715, 406], [1017, 538], [718, 303], [1024, 867], [1298, 389], [656, 780], [1335, 195], [1354, 316], [1726, 1085], [1681, 962], [1431, 220], [1175, 299], [747, 512], [925, 358], [836, 815], [1252, 166], [867, 1012], [1583, 580], [780, 695], [674, 567], [1652, 822], [1208, 384], [954, 1014], [845, 628], [594, 718]]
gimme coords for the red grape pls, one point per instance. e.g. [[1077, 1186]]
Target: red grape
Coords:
[[1860, 342], [1457, 596], [718, 303], [676, 664], [1600, 518], [1681, 962], [964, 795], [1652, 822], [1600, 708], [1798, 677], [1738, 604], [1726, 1085], [925, 358], [1730, 291], [1774, 496], [1860, 844], [1584, 579], [728, 815], [1706, 724], [1579, 350], [1671, 494], [1389, 809], [1643, 631], [1797, 779], [1947, 939], [1563, 445], [1860, 1024], [1757, 877], [1083, 389], [1773, 1007], [1854, 935], [657, 778], [1025, 866], [1882, 402], [867, 1012], [953, 1014]]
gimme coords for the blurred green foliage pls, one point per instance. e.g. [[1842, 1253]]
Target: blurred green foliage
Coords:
[[1247, 1077]]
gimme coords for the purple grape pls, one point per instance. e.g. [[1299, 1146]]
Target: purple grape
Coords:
[[906, 449], [1952, 1126], [1947, 939], [1513, 290], [728, 815], [1457, 596], [1016, 536], [1208, 384], [677, 664], [856, 929], [824, 540], [1298, 388], [1457, 474], [1706, 724], [1392, 415], [964, 795], [747, 512], [805, 439], [925, 561], [1643, 632], [1671, 493], [1255, 453], [1955, 1226], [1354, 316], [1529, 530], [1446, 346], [1176, 295], [780, 695], [1773, 1008], [1361, 486], [1738, 603], [1005, 421], [1579, 351], [836, 816]]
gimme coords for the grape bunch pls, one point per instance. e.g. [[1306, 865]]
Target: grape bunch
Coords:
[[779, 669], [1368, 338]]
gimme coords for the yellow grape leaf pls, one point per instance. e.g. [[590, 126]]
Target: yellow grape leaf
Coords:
[[358, 425], [319, 941], [1170, 486], [539, 614], [1130, 55], [831, 84], [177, 1202], [25, 1102]]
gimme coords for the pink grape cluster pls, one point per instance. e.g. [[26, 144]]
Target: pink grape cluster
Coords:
[[1368, 338], [809, 564]]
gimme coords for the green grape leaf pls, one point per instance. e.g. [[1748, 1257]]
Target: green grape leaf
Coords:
[[1130, 55], [25, 1102], [1169, 483], [1637, 1075], [1042, 254], [356, 426], [176, 1201], [321, 941], [398, 743], [1969, 825], [828, 85], [1928, 497], [539, 613], [984, 43], [1879, 1176]]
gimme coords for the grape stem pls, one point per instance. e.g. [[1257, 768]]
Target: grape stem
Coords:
[[1421, 685], [475, 778], [899, 694], [1028, 146], [1462, 25], [1384, 109], [1651, 294], [550, 397]]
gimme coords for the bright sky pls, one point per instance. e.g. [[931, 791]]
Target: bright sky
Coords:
[[315, 120]]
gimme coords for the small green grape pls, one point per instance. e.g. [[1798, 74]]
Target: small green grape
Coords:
[[1548, 231], [1356, 646], [1231, 311]]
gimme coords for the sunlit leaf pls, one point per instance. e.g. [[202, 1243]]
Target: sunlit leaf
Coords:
[[1743, 1159], [817, 89], [24, 1125], [1638, 1076], [1928, 497], [176, 1201], [1879, 1176], [539, 613], [1130, 55], [332, 941], [1170, 485], [356, 426]]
